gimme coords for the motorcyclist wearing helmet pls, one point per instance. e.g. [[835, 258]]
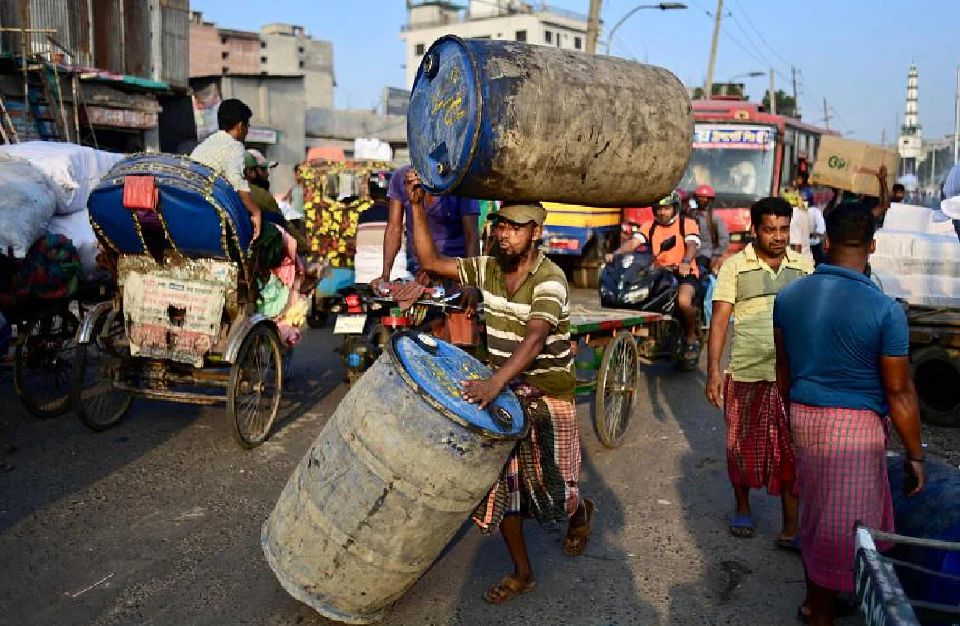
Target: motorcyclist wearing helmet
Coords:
[[673, 239], [715, 237]]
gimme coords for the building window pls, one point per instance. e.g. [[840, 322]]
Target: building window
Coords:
[[520, 35], [223, 41], [420, 49], [300, 50], [548, 36], [301, 64], [558, 39], [263, 59], [224, 55], [263, 44], [577, 43], [224, 70]]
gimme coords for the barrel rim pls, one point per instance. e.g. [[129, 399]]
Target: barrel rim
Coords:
[[436, 405], [477, 113]]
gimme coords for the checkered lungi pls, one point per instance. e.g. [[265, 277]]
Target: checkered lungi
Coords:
[[541, 476], [759, 453], [841, 479]]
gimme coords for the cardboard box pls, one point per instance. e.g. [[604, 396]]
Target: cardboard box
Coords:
[[852, 165]]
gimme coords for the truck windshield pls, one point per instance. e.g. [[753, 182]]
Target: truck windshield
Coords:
[[736, 160]]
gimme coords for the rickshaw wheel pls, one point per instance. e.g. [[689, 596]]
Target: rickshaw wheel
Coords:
[[99, 405], [616, 391], [255, 386], [316, 320], [42, 361]]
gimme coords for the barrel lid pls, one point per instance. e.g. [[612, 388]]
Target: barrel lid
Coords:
[[443, 119], [435, 369]]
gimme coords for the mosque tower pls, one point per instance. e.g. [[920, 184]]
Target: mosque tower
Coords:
[[910, 143]]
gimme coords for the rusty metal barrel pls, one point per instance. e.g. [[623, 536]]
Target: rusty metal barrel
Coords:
[[394, 474], [512, 121]]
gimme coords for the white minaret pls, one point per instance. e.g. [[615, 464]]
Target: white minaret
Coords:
[[911, 136]]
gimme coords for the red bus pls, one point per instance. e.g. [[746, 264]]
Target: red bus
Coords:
[[745, 154]]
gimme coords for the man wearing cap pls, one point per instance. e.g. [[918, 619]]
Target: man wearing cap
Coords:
[[223, 152], [527, 311], [256, 171], [714, 234]]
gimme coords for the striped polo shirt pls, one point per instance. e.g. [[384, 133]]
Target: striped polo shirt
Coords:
[[750, 285], [542, 295]]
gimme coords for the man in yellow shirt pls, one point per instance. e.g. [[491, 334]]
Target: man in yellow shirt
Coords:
[[759, 452]]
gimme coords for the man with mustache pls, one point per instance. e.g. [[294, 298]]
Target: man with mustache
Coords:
[[527, 314]]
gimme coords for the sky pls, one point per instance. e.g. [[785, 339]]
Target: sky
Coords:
[[854, 53]]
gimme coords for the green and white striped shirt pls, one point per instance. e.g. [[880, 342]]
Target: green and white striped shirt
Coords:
[[544, 295]]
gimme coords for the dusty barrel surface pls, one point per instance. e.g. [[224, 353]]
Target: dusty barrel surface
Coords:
[[506, 120], [394, 474]]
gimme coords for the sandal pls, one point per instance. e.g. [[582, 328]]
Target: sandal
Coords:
[[791, 545], [508, 588], [742, 526], [577, 537]]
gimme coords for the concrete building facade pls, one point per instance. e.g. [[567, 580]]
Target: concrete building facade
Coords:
[[508, 20], [277, 50], [286, 49]]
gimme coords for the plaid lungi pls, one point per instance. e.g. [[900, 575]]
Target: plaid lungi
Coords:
[[541, 476], [841, 478], [759, 453]]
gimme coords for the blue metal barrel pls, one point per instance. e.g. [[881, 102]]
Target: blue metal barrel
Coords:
[[932, 514], [511, 121], [397, 469]]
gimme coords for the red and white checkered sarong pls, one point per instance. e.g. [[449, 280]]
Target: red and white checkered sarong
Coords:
[[541, 476], [841, 479], [759, 453]]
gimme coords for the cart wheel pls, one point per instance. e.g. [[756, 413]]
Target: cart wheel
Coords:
[[256, 382], [42, 362], [616, 389], [98, 404], [377, 340]]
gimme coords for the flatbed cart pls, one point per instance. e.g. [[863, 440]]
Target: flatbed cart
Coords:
[[617, 340]]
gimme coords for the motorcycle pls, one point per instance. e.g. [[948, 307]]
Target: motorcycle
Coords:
[[632, 281], [367, 320]]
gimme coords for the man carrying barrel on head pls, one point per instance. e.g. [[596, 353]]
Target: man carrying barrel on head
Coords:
[[527, 310]]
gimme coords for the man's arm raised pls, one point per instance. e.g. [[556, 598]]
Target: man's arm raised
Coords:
[[431, 262]]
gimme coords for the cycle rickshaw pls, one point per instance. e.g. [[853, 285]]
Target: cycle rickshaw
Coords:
[[183, 325]]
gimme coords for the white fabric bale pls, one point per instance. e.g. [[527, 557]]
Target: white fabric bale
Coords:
[[76, 227], [368, 262], [74, 169], [28, 200]]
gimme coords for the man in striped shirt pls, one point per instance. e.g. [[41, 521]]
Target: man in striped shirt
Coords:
[[527, 314]]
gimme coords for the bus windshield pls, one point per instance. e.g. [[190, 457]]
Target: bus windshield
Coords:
[[736, 160]]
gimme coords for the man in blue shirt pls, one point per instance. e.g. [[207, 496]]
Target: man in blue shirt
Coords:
[[452, 222], [843, 364]]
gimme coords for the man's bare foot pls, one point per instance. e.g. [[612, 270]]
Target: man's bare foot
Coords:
[[578, 533], [508, 588]]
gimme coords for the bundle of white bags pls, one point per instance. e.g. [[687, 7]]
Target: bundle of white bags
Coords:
[[44, 186]]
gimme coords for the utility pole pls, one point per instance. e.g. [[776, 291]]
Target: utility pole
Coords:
[[826, 115], [708, 90], [796, 102], [773, 95], [593, 26], [883, 137], [956, 123]]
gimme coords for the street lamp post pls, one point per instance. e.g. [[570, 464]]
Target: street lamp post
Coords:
[[663, 6]]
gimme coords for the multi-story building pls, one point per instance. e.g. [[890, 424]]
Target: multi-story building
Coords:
[[510, 20], [287, 50], [277, 50]]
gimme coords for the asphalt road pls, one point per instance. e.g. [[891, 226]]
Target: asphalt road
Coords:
[[157, 522]]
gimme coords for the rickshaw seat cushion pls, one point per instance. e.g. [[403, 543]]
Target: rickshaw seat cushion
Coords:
[[140, 192]]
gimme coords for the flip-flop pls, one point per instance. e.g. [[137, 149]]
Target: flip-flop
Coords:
[[507, 589], [791, 545], [576, 539], [742, 523]]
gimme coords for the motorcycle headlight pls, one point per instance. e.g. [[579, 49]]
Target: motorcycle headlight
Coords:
[[638, 294]]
